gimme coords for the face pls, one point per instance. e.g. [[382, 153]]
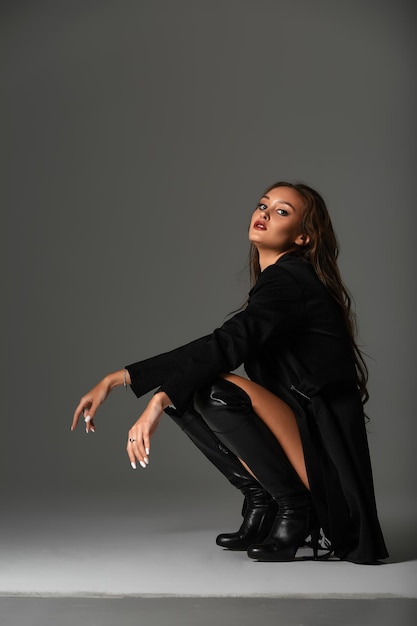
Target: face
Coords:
[[276, 222]]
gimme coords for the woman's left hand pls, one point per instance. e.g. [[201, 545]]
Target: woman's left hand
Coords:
[[139, 436]]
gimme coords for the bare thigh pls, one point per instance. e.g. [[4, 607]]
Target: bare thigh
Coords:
[[279, 418]]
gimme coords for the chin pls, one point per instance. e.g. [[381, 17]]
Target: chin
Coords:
[[254, 237]]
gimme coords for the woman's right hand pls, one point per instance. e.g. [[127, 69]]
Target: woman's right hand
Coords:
[[91, 401]]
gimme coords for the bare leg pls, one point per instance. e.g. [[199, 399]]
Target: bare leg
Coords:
[[279, 418]]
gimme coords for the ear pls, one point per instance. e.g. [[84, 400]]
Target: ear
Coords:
[[302, 240]]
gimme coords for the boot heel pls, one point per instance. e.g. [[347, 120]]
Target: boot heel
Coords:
[[315, 536], [317, 543]]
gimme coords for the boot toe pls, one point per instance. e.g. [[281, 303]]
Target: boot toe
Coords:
[[271, 552], [233, 542]]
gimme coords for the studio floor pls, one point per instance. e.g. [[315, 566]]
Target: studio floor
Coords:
[[100, 555]]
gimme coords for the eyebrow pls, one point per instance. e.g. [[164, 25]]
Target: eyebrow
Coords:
[[283, 202]]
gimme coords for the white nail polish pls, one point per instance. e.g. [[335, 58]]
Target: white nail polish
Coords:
[[146, 460], [142, 464], [86, 430], [133, 465], [147, 450], [87, 418]]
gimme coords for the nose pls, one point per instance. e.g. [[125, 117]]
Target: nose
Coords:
[[264, 214]]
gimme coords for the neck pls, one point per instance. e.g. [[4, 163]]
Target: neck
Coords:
[[269, 257]]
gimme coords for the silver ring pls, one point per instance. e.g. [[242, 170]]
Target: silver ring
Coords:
[[132, 440]]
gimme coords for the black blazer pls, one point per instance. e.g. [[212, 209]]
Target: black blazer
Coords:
[[292, 340]]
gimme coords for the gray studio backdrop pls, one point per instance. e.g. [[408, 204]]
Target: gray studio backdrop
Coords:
[[138, 136]]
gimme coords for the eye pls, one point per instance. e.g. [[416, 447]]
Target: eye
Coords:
[[262, 207], [282, 212]]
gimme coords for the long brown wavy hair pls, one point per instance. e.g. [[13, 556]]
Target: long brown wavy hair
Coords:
[[322, 251]]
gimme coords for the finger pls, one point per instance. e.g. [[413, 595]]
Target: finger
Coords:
[[87, 419], [147, 443], [130, 454], [89, 414], [89, 424], [143, 445], [139, 452], [83, 405], [136, 447]]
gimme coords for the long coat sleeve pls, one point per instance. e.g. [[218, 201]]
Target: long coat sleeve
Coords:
[[274, 307], [292, 339]]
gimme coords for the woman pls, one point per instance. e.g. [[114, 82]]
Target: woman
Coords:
[[292, 438]]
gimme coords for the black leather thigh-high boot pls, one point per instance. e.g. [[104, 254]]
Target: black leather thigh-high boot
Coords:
[[228, 411], [259, 508]]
